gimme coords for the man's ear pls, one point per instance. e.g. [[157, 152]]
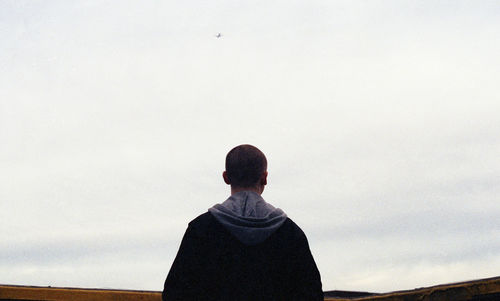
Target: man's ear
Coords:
[[263, 178], [226, 178]]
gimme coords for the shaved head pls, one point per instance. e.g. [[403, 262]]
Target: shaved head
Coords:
[[245, 165]]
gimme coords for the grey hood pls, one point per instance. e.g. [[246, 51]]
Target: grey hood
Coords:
[[248, 217]]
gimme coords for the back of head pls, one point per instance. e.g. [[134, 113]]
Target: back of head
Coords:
[[245, 165]]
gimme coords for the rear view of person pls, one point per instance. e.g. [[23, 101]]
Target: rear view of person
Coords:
[[244, 248]]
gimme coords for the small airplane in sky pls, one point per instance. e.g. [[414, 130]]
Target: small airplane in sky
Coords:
[[218, 35]]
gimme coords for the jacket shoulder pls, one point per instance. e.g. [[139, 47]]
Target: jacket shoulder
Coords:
[[289, 226], [202, 220], [204, 224]]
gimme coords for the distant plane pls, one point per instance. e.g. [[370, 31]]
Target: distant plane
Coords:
[[218, 35]]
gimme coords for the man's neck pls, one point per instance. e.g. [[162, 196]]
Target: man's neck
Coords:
[[258, 190]]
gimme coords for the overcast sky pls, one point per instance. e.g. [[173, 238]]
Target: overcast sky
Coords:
[[380, 121]]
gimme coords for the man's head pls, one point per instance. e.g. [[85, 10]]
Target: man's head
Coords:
[[246, 168]]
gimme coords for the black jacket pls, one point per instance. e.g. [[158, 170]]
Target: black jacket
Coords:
[[211, 264]]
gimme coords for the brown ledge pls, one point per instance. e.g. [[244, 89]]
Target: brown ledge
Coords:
[[476, 290]]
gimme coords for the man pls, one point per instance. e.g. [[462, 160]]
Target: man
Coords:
[[244, 248]]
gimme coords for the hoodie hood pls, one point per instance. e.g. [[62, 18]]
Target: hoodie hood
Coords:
[[248, 217]]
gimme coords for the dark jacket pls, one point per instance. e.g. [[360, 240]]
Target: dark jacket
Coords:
[[212, 264]]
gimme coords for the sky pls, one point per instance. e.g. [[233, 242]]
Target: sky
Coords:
[[379, 120]]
